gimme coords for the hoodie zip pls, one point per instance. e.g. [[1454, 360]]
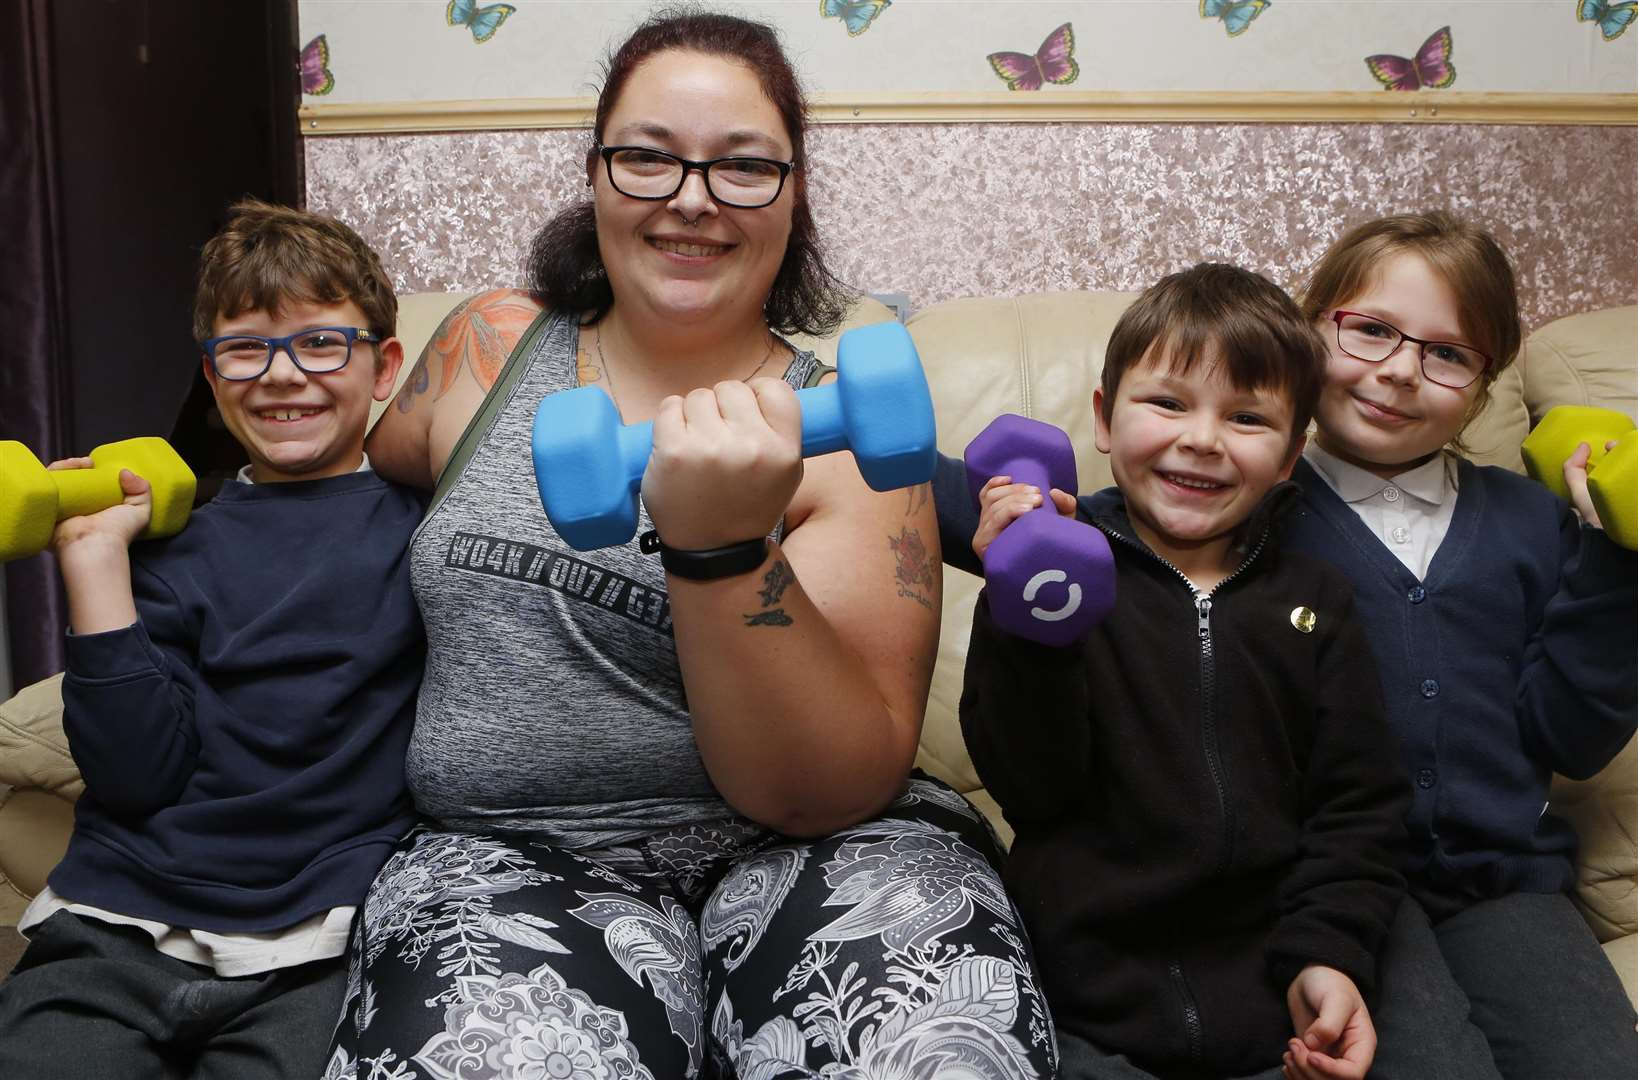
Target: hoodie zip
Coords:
[[1192, 1035], [1214, 761], [1208, 680]]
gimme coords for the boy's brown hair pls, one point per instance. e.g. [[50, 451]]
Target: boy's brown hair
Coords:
[[1467, 257], [266, 256], [1260, 337]]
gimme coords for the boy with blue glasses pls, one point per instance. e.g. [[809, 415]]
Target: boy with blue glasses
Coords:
[[238, 698]]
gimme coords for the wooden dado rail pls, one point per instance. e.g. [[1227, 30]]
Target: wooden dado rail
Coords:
[[1002, 106]]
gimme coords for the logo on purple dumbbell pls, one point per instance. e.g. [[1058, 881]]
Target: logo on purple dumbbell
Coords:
[[1070, 605], [1040, 552]]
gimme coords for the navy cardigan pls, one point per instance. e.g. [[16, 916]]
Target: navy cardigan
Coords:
[[1513, 660]]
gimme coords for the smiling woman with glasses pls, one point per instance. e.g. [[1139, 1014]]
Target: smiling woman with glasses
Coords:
[[661, 795]]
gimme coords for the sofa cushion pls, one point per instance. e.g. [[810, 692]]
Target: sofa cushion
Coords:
[[1588, 359], [1604, 811], [1494, 436], [35, 817], [33, 749], [1039, 355]]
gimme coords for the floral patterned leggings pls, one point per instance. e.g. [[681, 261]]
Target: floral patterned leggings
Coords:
[[888, 950]]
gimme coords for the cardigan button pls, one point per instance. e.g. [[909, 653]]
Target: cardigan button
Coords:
[[1430, 688], [1425, 778], [1417, 594]]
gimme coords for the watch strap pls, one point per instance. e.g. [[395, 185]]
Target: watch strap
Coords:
[[708, 564]]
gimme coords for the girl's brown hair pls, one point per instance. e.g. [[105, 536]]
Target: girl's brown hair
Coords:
[[267, 256], [1465, 256]]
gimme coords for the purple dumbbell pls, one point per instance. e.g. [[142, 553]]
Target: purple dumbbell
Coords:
[[1049, 578]]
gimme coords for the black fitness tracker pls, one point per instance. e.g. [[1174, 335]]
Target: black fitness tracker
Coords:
[[710, 563]]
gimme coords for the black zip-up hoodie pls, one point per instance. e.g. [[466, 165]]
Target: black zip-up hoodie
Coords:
[[1206, 799]]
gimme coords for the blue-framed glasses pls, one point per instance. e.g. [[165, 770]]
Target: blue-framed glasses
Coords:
[[317, 350]]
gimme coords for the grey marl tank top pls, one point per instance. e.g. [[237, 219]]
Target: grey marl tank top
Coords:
[[553, 701]]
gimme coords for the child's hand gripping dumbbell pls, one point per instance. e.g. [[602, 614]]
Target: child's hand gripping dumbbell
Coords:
[[33, 499], [1603, 486], [589, 467], [1049, 578]]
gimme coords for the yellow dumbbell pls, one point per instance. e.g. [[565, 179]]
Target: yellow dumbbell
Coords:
[[33, 498], [1612, 475]]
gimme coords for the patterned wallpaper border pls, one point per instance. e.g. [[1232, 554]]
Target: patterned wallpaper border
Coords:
[[426, 50]]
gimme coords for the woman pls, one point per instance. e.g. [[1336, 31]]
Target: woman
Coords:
[[619, 759]]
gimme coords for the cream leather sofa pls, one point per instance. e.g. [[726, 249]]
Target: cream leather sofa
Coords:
[[1039, 355]]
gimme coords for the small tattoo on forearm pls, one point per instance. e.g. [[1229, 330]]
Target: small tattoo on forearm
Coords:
[[913, 572], [916, 498], [774, 583]]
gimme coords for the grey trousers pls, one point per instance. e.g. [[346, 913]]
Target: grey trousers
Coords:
[[90, 1000], [1083, 1061], [1514, 988]]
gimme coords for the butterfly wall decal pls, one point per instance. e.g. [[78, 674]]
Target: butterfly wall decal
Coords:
[[856, 15], [1236, 14], [1429, 69], [1053, 62], [482, 21], [316, 77], [1612, 19]]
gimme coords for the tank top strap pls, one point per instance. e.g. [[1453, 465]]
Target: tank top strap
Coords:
[[804, 370]]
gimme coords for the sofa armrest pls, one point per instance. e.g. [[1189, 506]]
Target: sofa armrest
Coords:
[[1623, 954], [34, 831], [33, 749], [38, 786], [1604, 811]]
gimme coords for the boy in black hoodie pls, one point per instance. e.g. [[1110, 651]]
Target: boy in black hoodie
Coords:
[[1207, 801]]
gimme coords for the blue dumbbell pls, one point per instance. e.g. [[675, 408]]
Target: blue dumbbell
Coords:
[[589, 467]]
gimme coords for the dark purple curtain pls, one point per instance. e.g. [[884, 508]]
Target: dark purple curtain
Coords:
[[34, 406]]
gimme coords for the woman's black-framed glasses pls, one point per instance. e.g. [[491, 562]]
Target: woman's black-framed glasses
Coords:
[[317, 350], [1448, 363], [748, 183]]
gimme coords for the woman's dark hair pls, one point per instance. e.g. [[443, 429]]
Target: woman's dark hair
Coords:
[[565, 269]]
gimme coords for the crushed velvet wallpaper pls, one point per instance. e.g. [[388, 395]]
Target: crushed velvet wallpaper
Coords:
[[944, 210]]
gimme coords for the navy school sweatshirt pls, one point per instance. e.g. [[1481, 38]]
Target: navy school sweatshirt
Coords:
[[242, 744]]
